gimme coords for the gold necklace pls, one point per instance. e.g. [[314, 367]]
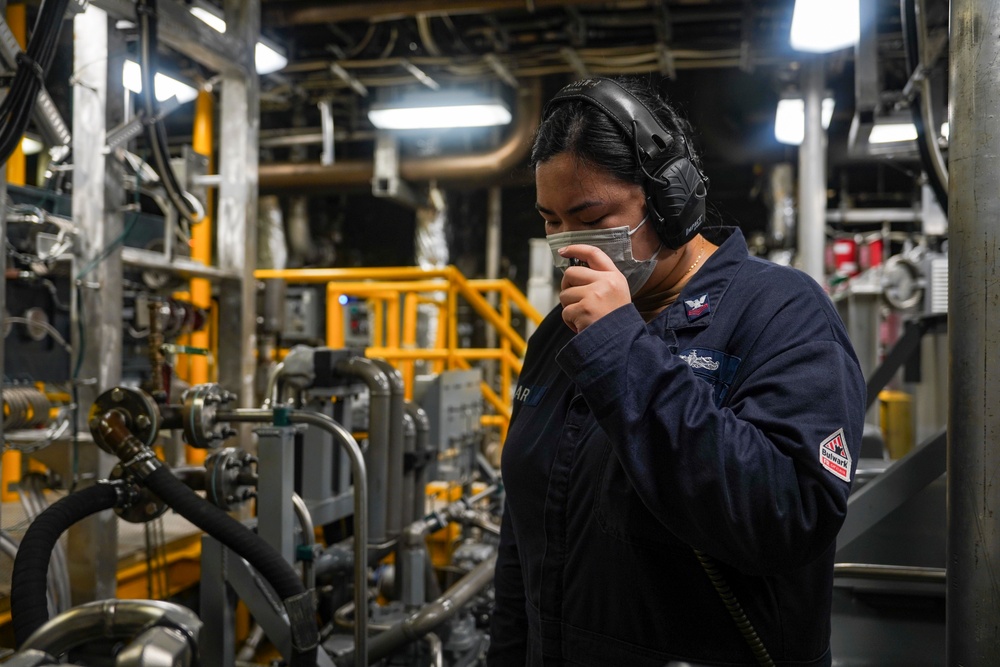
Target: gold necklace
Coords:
[[697, 259]]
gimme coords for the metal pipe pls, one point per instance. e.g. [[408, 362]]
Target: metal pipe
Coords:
[[110, 619], [420, 447], [938, 163], [409, 475], [379, 415], [271, 392], [893, 572], [974, 336], [475, 167], [433, 614], [394, 479], [344, 438], [308, 538], [812, 172]]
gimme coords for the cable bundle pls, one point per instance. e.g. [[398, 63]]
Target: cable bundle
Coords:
[[31, 70], [156, 135]]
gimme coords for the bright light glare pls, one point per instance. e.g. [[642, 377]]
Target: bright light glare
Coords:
[[266, 59], [165, 86], [31, 146], [427, 118], [888, 133], [216, 22], [790, 122], [822, 26], [945, 130]]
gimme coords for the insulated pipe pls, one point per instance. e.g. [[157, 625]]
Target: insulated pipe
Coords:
[[973, 603], [421, 445], [476, 167], [379, 416], [431, 615], [394, 478], [29, 578], [111, 619], [344, 438], [110, 431]]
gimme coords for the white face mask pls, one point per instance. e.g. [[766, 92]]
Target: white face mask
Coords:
[[616, 243]]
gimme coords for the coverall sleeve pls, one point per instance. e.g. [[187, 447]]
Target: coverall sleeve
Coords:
[[744, 482], [509, 629]]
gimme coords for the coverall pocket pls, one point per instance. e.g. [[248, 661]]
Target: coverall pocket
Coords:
[[622, 515]]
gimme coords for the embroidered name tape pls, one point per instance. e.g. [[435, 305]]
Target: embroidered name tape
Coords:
[[530, 396], [834, 455]]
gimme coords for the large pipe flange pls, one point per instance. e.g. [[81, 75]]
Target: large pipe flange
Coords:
[[230, 477], [137, 408], [201, 404]]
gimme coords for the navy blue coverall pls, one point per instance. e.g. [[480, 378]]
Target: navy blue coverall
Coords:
[[730, 423]]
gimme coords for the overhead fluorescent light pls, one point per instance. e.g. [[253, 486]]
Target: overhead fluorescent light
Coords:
[[790, 121], [822, 26], [437, 111], [267, 57], [890, 133], [165, 86]]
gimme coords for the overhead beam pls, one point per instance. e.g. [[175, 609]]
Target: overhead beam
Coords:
[[302, 12]]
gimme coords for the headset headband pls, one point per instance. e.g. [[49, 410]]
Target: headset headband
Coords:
[[639, 123]]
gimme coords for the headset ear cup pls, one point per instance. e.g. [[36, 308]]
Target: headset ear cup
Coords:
[[677, 193]]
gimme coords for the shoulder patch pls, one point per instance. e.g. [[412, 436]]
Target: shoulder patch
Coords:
[[834, 455]]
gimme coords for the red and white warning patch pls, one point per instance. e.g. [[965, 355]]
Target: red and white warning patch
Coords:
[[834, 455]]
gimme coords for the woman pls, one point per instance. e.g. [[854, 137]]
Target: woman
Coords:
[[687, 419]]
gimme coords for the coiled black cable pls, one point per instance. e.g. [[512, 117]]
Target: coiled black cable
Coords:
[[734, 608], [33, 65], [29, 579]]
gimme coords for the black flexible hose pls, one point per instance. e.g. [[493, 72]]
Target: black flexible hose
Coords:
[[734, 608], [33, 65], [262, 556], [156, 135], [911, 47], [29, 579]]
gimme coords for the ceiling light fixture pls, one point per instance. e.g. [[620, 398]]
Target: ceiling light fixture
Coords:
[[267, 57], [165, 86], [822, 26], [428, 112], [790, 122], [890, 133]]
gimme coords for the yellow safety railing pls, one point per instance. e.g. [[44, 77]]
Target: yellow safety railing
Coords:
[[394, 295]]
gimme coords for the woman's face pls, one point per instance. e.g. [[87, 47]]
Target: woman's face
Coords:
[[573, 195]]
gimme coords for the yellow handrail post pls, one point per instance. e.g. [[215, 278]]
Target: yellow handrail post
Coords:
[[411, 310], [505, 357], [334, 317], [392, 324], [378, 320]]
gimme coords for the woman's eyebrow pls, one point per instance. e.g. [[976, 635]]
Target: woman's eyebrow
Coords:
[[575, 209]]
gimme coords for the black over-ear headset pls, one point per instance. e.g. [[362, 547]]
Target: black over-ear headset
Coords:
[[675, 188]]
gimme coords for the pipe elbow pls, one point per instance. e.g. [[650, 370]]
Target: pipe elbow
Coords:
[[369, 372]]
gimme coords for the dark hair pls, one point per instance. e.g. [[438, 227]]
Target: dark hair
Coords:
[[583, 130]]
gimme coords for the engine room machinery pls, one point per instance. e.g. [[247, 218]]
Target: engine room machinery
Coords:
[[337, 529]]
